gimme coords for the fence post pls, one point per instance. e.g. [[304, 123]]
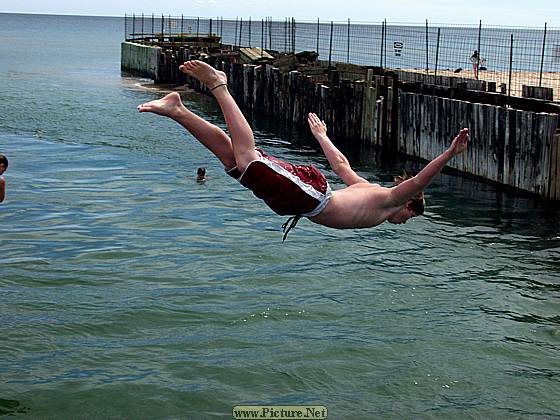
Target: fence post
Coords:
[[133, 29], [510, 65], [437, 55], [262, 36], [240, 31], [197, 27], [142, 26], [542, 55], [153, 21], [318, 34], [348, 47], [293, 35], [285, 34], [125, 28], [162, 27], [385, 45], [264, 31], [330, 44], [479, 33], [427, 50], [210, 28], [270, 33], [235, 36], [249, 31], [382, 41]]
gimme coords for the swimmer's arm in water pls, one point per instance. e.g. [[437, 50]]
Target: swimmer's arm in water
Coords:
[[2, 189], [412, 186], [339, 163]]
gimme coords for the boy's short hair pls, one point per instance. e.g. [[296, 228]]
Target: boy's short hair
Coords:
[[3, 160], [201, 171], [417, 203]]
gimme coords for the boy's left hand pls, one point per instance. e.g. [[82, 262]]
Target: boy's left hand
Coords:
[[460, 142]]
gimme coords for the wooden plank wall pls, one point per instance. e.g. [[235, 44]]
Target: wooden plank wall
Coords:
[[446, 81], [537, 92], [373, 104], [554, 174], [511, 147], [291, 96]]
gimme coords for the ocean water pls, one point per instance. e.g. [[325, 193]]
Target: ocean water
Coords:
[[129, 290]]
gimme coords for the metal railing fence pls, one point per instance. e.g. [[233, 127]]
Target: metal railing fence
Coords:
[[512, 56]]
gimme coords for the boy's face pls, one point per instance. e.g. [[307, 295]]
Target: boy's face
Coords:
[[402, 216], [2, 168]]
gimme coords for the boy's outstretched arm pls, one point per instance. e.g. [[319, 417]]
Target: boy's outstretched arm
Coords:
[[339, 163], [412, 186]]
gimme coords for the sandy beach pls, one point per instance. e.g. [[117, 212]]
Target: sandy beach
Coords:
[[518, 78]]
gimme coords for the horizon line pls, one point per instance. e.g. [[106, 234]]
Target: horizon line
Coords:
[[426, 20]]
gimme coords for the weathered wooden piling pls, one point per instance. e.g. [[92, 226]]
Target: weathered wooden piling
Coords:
[[537, 92], [507, 146], [554, 174]]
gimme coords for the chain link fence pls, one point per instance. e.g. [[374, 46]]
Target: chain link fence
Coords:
[[495, 57]]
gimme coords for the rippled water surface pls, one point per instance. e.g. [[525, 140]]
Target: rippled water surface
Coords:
[[129, 290]]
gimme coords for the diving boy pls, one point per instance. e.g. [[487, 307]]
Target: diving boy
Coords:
[[299, 191]]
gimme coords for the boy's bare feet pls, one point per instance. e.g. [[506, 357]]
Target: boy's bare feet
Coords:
[[168, 106], [205, 73]]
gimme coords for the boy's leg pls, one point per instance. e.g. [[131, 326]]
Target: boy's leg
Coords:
[[211, 136], [239, 130]]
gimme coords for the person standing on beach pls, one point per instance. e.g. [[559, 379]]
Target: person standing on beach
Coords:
[[3, 168], [475, 60], [299, 191]]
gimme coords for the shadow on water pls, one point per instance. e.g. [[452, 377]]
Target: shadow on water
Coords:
[[527, 318], [468, 202], [11, 407]]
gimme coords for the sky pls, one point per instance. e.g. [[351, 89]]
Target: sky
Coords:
[[491, 12]]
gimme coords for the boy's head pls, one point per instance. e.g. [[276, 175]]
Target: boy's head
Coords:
[[201, 173], [414, 207], [3, 164]]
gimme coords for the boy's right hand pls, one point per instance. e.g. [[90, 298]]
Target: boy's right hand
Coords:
[[318, 127]]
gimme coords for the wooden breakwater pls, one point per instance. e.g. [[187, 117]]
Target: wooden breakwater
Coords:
[[519, 148], [508, 146]]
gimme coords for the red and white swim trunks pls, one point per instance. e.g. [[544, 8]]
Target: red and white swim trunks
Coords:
[[288, 189]]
